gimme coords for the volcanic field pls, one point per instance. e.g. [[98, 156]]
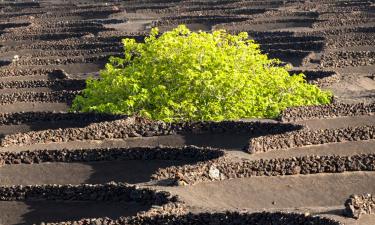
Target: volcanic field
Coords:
[[313, 165]]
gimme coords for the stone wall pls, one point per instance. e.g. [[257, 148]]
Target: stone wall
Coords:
[[139, 127], [31, 117], [307, 137], [109, 154], [224, 218], [222, 168], [86, 192], [54, 96], [326, 111]]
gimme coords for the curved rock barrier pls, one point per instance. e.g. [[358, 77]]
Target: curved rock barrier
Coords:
[[123, 128], [86, 192], [65, 44], [307, 46], [53, 84], [192, 19], [326, 111], [288, 38], [209, 164], [358, 205], [51, 73], [110, 154], [307, 137], [343, 59], [93, 58], [224, 218], [340, 22], [222, 168], [317, 77], [53, 96], [140, 127], [261, 218], [32, 117], [348, 40]]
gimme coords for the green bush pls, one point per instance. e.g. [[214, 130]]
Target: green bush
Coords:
[[182, 75]]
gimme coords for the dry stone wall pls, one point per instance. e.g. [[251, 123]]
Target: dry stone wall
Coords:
[[306, 137], [326, 111], [110, 154], [139, 127], [224, 218], [53, 96], [86, 192], [222, 168]]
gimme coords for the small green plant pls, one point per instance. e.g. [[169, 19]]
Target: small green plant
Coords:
[[183, 75]]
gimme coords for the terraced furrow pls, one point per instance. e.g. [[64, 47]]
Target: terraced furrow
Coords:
[[85, 168]]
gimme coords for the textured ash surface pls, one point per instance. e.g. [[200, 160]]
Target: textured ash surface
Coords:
[[48, 48]]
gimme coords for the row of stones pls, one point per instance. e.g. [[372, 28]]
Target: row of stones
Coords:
[[38, 29], [211, 164], [326, 111], [341, 30], [71, 53], [110, 154], [259, 218], [86, 192], [21, 36], [72, 11], [29, 117], [350, 40], [223, 168], [306, 137], [51, 73], [74, 84], [67, 60], [340, 22], [307, 46], [140, 127], [65, 44], [342, 59], [53, 96], [191, 19]]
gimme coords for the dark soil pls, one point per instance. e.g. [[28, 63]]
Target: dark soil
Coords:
[[307, 162]]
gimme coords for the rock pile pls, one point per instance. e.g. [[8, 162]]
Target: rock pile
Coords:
[[326, 111], [357, 205]]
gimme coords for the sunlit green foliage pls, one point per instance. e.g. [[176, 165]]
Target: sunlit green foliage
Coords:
[[183, 75]]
